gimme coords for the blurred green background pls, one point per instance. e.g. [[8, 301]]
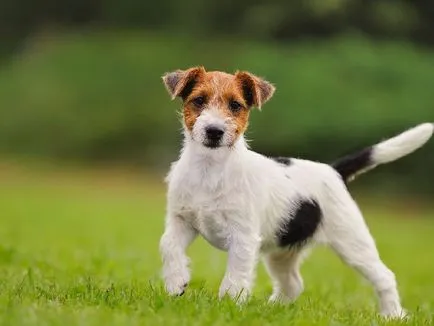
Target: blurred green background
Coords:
[[80, 80]]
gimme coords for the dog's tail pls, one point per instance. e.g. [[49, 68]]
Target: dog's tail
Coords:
[[384, 152]]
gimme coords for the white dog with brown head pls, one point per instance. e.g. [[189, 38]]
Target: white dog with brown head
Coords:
[[253, 206]]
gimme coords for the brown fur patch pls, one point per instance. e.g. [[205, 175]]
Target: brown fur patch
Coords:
[[242, 121], [256, 90], [190, 114], [181, 83], [218, 90]]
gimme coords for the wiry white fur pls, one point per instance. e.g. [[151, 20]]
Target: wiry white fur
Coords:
[[212, 116], [238, 199], [396, 147], [403, 144]]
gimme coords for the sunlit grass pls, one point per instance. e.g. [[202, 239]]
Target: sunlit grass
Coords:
[[81, 247]]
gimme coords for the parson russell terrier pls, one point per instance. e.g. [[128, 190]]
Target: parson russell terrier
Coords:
[[253, 206]]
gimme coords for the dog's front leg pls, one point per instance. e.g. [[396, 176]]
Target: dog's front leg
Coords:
[[241, 268], [177, 236]]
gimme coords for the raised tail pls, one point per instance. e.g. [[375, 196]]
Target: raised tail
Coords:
[[387, 151]]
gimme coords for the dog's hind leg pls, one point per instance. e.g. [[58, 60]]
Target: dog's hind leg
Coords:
[[283, 268], [347, 233]]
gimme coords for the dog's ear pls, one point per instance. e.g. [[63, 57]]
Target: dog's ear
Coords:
[[256, 91], [181, 82]]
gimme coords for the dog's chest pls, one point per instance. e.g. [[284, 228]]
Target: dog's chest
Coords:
[[213, 226], [212, 216], [211, 208]]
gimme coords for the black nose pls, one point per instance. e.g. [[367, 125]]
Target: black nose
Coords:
[[214, 132]]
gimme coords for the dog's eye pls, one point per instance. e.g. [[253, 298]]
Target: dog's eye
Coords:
[[198, 101], [235, 106]]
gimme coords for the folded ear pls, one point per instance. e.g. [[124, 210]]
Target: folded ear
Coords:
[[256, 90], [181, 82]]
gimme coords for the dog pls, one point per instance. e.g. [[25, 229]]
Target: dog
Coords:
[[253, 206]]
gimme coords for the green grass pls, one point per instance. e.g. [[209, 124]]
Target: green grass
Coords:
[[81, 248]]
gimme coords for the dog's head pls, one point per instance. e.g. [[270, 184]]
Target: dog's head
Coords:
[[216, 105]]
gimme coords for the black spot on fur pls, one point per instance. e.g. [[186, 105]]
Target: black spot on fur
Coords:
[[282, 160], [350, 165], [301, 225]]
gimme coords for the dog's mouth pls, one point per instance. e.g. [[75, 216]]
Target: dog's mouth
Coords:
[[213, 144]]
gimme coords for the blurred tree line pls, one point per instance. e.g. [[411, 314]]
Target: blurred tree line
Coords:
[[86, 83], [258, 19]]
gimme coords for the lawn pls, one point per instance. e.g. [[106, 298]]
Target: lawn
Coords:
[[81, 248]]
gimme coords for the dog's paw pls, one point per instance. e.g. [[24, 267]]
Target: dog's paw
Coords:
[[238, 293], [176, 285], [176, 288], [398, 313], [278, 298]]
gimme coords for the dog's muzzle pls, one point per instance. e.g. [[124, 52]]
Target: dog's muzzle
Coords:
[[214, 135]]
